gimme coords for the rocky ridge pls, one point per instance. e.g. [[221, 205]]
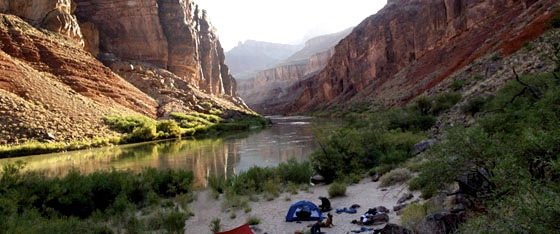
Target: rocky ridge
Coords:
[[411, 46], [249, 57], [66, 64], [269, 84]]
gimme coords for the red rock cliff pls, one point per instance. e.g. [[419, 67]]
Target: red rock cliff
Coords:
[[166, 51], [411, 45], [173, 35]]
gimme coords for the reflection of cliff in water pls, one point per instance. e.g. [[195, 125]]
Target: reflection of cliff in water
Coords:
[[207, 157], [221, 156]]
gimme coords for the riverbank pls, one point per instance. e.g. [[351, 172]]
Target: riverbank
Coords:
[[272, 213]]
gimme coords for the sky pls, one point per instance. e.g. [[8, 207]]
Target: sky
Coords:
[[283, 21]]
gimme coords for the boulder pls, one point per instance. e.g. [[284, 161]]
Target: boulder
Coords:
[[392, 228], [441, 223], [422, 146]]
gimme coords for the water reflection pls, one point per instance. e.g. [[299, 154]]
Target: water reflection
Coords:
[[288, 138]]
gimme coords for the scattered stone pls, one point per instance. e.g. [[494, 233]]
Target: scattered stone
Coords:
[[399, 206], [405, 197], [422, 146], [382, 209]]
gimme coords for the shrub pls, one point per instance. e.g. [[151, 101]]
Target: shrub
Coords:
[[169, 129], [413, 215], [294, 172], [474, 106], [174, 221], [457, 85], [409, 119], [215, 225], [253, 221], [396, 176], [337, 189]]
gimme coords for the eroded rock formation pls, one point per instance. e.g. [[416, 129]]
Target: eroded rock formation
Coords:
[[63, 62], [172, 35], [410, 46]]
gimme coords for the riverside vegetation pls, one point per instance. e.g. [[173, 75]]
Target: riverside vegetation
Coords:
[[133, 129], [515, 138]]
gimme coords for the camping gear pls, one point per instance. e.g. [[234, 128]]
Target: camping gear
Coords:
[[243, 229], [303, 211]]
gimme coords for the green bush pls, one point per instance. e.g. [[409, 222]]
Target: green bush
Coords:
[[100, 196], [169, 129], [174, 221], [396, 176], [337, 189], [294, 172], [409, 119], [253, 221], [457, 85], [516, 140], [474, 105]]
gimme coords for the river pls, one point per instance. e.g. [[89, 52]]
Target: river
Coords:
[[288, 137]]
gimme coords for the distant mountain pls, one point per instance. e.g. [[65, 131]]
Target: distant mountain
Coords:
[[268, 84], [317, 45], [251, 56]]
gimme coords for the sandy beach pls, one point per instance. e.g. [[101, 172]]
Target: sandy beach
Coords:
[[272, 214]]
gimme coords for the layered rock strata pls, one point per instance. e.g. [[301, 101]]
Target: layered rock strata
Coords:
[[410, 46], [63, 62]]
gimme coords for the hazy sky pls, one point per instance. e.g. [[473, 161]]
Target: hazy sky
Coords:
[[283, 21]]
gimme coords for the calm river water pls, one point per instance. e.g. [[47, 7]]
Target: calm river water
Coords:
[[289, 137]]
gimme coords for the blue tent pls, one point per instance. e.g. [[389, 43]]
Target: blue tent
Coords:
[[303, 211]]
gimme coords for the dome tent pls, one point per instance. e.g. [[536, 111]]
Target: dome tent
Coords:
[[303, 211]]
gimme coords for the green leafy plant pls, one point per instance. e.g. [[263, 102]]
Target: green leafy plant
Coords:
[[337, 189]]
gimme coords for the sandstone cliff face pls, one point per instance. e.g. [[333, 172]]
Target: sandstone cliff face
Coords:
[[410, 46], [53, 15], [172, 35], [167, 51]]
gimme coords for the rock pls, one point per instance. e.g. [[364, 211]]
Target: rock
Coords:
[[410, 46], [441, 223], [53, 15], [422, 146], [171, 35], [380, 218], [375, 177], [392, 228], [405, 197], [399, 206], [268, 84], [382, 209], [317, 179]]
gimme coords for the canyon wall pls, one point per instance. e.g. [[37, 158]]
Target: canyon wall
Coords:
[[270, 84], [66, 64], [410, 46]]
